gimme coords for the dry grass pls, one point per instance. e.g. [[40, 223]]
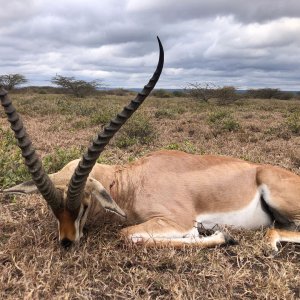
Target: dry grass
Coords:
[[33, 266]]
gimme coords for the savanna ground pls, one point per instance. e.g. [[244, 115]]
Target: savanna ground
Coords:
[[34, 266]]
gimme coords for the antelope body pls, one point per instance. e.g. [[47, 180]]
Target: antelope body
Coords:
[[167, 196]]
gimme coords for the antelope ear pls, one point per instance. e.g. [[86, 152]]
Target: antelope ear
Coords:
[[99, 193], [27, 187]]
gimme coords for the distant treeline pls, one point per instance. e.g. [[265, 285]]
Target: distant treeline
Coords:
[[226, 93], [59, 90], [198, 92], [268, 93]]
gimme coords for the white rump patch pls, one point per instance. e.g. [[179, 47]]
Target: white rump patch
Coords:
[[251, 216]]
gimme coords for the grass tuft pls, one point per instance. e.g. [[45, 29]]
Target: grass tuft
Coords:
[[12, 168], [138, 130], [293, 122], [222, 121]]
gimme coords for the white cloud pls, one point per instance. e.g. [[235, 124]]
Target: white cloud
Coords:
[[234, 42]]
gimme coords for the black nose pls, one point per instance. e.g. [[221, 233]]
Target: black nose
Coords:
[[66, 243]]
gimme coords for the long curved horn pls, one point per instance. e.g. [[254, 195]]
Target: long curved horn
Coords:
[[86, 164], [32, 161]]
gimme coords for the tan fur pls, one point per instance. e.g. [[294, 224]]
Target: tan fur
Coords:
[[163, 193], [276, 236], [175, 187], [285, 190], [67, 226]]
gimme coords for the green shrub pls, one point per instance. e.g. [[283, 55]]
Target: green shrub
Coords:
[[186, 146], [226, 95], [265, 93], [218, 116], [173, 146], [125, 141], [119, 92], [115, 92], [223, 121], [293, 122], [68, 106], [80, 124], [230, 124], [12, 167], [42, 92], [164, 114], [161, 93], [137, 130], [179, 94], [200, 91], [284, 95], [102, 117], [57, 160], [269, 93]]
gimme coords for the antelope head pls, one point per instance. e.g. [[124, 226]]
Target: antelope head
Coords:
[[70, 198]]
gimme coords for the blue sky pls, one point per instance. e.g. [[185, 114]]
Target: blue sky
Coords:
[[247, 44]]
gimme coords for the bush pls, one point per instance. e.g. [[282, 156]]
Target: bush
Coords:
[[164, 113], [173, 146], [269, 93], [10, 81], [186, 146], [179, 93], [116, 92], [161, 93], [284, 95], [66, 106], [223, 121], [77, 87], [103, 117], [125, 141], [12, 167], [230, 124], [218, 116], [226, 95], [206, 91], [201, 91], [57, 160], [293, 122], [137, 130], [266, 93]]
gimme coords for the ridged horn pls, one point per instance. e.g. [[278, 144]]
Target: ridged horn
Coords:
[[86, 164], [32, 161]]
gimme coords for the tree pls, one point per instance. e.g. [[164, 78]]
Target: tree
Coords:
[[265, 93], [268, 93], [79, 88], [226, 95], [10, 81], [201, 91], [161, 93], [206, 91]]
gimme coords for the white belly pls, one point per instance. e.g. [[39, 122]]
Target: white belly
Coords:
[[251, 216]]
